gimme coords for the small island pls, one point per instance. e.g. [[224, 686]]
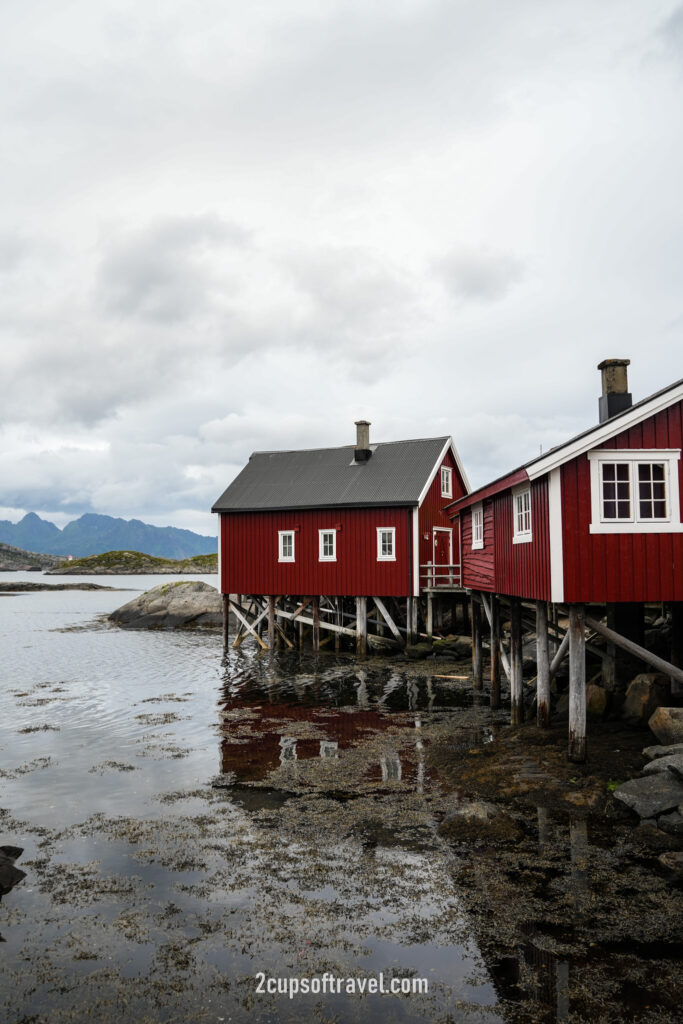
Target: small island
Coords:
[[130, 563]]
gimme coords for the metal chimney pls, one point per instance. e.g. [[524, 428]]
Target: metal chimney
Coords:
[[615, 395], [362, 450]]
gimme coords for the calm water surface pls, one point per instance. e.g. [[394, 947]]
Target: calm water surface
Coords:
[[188, 823]]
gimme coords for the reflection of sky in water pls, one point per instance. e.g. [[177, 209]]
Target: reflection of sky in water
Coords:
[[133, 717]]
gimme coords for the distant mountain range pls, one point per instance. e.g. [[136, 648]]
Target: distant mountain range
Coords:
[[93, 534]]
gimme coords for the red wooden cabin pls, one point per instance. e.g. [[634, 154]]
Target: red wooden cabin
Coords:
[[359, 520], [594, 520]]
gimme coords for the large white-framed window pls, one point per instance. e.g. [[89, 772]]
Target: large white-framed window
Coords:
[[635, 490], [446, 482], [285, 540], [521, 514], [327, 545], [477, 527], [386, 543]]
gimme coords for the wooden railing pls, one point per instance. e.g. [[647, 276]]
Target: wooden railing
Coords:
[[432, 576]]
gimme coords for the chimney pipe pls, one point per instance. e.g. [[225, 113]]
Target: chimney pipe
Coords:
[[362, 450], [615, 395]]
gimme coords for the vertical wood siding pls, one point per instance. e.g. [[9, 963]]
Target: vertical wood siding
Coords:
[[249, 553], [621, 567], [479, 565], [523, 570], [431, 512]]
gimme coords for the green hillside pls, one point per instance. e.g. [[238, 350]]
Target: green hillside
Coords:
[[134, 563]]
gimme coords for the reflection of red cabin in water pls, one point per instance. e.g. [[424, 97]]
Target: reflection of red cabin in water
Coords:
[[350, 521]]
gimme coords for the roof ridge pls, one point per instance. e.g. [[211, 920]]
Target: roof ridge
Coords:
[[342, 447]]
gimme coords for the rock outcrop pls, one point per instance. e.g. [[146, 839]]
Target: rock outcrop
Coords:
[[191, 605], [647, 691], [667, 725]]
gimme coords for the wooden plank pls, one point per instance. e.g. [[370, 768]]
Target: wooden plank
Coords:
[[271, 622], [301, 608], [495, 651], [237, 612], [449, 677], [542, 667], [636, 650], [384, 611], [577, 683], [560, 656], [362, 625], [307, 619], [516, 681]]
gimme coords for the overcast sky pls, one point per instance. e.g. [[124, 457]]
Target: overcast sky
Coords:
[[230, 226]]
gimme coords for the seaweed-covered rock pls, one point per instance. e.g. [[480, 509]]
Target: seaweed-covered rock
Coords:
[[191, 605], [596, 700], [9, 875], [667, 724], [418, 651], [453, 646]]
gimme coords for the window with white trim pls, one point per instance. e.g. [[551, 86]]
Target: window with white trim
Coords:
[[386, 543], [285, 545], [477, 527], [521, 515], [327, 545], [635, 491], [446, 482]]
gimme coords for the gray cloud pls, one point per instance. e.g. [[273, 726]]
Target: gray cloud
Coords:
[[482, 275]]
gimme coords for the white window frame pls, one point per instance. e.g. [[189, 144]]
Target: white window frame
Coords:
[[446, 482], [380, 531], [669, 457], [523, 536], [281, 534], [322, 557], [478, 526]]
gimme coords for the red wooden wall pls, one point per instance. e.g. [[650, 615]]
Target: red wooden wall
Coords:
[[621, 567], [249, 553], [523, 570], [479, 565], [431, 512]]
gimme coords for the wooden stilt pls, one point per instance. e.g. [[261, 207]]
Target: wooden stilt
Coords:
[[465, 617], [410, 601], [636, 650], [384, 611], [495, 652], [361, 625], [316, 623], [542, 667], [339, 618], [430, 616], [271, 622], [226, 621], [677, 641], [516, 690], [477, 663], [577, 683], [240, 615]]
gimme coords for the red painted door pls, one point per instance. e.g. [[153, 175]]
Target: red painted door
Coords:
[[442, 555]]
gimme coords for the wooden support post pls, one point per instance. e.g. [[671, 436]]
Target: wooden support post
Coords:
[[577, 683], [636, 650], [411, 636], [477, 664], [271, 622], [226, 622], [495, 652], [465, 617], [516, 682], [430, 616], [316, 623], [542, 667], [361, 625], [339, 619]]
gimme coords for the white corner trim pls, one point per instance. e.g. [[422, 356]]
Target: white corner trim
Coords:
[[416, 553], [220, 558], [556, 541], [437, 466], [604, 432], [669, 456]]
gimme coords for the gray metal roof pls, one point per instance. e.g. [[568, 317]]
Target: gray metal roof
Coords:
[[395, 474]]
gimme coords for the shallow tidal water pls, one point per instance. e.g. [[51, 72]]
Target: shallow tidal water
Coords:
[[160, 880], [189, 823]]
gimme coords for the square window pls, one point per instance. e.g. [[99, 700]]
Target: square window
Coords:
[[386, 543], [286, 545], [634, 491], [446, 482], [327, 545], [521, 515]]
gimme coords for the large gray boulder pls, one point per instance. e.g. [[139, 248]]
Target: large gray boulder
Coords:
[[652, 795], [191, 605], [667, 724], [672, 763], [647, 691]]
